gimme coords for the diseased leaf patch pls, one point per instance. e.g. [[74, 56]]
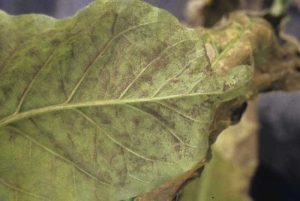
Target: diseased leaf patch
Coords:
[[104, 105]]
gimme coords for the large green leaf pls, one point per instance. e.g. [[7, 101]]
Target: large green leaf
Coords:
[[104, 105]]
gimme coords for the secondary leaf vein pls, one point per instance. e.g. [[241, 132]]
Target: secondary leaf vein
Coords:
[[162, 124], [21, 190], [179, 73], [109, 137], [55, 154], [99, 55], [149, 64]]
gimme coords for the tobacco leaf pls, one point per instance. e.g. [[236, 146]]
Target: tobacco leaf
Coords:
[[105, 105]]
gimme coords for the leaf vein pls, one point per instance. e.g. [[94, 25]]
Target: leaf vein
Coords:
[[180, 72], [149, 64], [111, 138], [55, 154], [180, 113], [21, 190], [31, 83], [64, 106], [141, 180], [162, 124], [74, 182], [193, 87], [100, 54]]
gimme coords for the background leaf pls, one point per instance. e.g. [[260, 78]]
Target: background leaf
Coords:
[[104, 105]]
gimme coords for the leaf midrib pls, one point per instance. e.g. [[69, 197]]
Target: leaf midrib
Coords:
[[64, 106]]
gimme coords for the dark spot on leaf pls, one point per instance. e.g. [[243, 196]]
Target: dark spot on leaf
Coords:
[[55, 42], [34, 122], [62, 87], [12, 137], [71, 140], [194, 112], [106, 121], [225, 86], [206, 104], [72, 54], [177, 148], [147, 78], [123, 135], [136, 121], [6, 91], [145, 93], [174, 81]]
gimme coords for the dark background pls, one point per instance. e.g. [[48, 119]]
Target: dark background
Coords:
[[64, 8]]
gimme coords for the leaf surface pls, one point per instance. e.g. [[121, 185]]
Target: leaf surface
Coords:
[[105, 105]]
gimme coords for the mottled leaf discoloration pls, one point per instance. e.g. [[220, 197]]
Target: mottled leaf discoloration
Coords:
[[104, 105]]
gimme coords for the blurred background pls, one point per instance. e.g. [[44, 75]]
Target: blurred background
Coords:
[[257, 159]]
